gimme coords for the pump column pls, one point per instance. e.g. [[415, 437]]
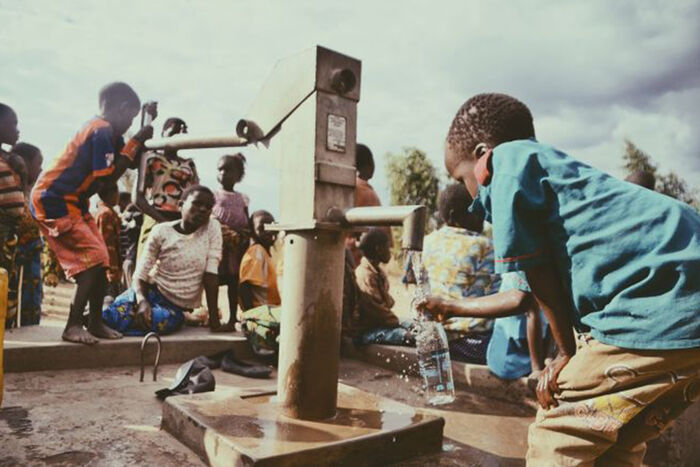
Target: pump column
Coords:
[[311, 323]]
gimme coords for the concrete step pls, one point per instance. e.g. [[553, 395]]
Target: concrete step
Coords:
[[37, 348]]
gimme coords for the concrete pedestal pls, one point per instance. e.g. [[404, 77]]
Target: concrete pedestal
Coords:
[[228, 429]]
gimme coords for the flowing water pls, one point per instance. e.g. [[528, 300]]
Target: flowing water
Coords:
[[431, 342]]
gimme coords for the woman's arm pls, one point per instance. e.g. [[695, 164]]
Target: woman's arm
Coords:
[[138, 196]]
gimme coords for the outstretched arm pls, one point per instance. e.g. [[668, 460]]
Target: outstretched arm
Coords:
[[509, 303]]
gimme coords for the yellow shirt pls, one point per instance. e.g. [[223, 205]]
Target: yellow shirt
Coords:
[[258, 270]]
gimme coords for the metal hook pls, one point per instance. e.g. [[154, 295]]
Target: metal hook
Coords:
[[143, 346]]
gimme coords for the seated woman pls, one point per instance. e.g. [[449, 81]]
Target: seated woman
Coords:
[[180, 259]]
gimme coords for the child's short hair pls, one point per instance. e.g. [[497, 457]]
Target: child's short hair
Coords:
[[237, 159], [118, 92], [492, 119], [107, 189], [374, 238], [5, 109], [192, 189], [260, 213], [26, 151], [363, 156], [172, 121], [455, 198]]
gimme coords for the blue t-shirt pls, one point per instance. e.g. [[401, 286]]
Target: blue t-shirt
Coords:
[[628, 257], [508, 354]]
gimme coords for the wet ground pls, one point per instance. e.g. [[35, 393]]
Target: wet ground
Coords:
[[106, 417]]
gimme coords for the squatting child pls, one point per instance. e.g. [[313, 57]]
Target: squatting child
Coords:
[[231, 209], [459, 260], [60, 202], [257, 275], [618, 262], [377, 323]]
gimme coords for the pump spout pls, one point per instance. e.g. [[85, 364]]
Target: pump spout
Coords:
[[412, 218]]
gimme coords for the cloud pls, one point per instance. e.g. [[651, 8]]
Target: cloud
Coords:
[[593, 73]]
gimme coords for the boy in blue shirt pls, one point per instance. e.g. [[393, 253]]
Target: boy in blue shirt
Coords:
[[616, 261]]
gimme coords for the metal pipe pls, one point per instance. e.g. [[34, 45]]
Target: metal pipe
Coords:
[[183, 141], [412, 218], [155, 364]]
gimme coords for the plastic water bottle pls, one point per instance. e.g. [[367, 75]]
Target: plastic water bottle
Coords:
[[431, 342]]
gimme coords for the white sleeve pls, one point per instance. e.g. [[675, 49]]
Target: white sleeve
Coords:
[[215, 245], [150, 253]]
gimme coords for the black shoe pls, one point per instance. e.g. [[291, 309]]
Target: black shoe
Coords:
[[230, 364]]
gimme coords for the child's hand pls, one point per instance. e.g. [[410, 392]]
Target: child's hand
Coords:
[[144, 315], [151, 108], [144, 134], [434, 305], [547, 385]]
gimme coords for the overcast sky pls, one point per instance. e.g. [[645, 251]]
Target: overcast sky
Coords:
[[593, 73]]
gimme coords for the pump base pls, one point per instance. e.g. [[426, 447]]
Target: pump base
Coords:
[[228, 428]]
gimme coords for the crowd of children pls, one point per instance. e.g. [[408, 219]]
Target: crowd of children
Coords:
[[566, 247]]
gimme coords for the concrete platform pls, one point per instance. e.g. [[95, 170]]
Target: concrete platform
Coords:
[[232, 428], [37, 348]]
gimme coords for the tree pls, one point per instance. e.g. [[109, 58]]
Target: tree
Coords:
[[637, 160], [412, 180], [669, 184]]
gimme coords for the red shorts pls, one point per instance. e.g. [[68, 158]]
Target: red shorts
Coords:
[[77, 243]]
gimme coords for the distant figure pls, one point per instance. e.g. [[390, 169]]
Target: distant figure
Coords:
[[163, 177], [231, 209], [12, 205], [460, 264], [124, 201], [642, 178], [258, 277], [130, 231], [377, 322], [29, 242], [60, 202], [365, 196], [109, 225], [187, 252]]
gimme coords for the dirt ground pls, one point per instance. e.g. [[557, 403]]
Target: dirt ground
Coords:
[[106, 417]]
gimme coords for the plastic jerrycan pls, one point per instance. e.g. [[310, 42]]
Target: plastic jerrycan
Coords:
[[3, 315]]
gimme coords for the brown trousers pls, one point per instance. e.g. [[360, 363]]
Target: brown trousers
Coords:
[[613, 400]]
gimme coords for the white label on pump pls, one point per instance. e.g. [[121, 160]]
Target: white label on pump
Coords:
[[336, 133]]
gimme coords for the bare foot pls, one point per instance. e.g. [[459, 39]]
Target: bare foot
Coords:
[[77, 334], [102, 330]]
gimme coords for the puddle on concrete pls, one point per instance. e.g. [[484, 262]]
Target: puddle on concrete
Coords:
[[17, 418], [69, 458]]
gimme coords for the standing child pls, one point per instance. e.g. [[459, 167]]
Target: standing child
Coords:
[[617, 261], [12, 204], [231, 209], [109, 225], [60, 202], [378, 324]]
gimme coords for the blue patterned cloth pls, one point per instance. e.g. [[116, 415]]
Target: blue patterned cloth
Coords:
[[166, 317]]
